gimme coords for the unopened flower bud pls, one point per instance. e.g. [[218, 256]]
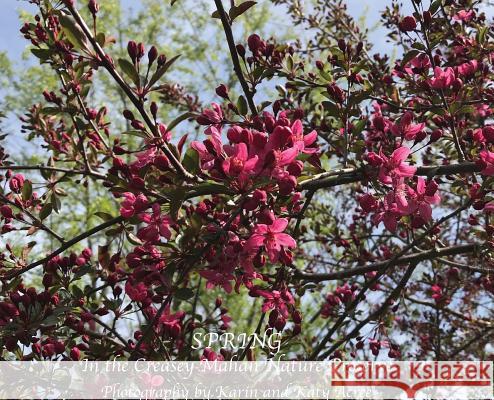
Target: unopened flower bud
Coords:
[[132, 50], [93, 7], [241, 50], [152, 55], [154, 109], [222, 91], [407, 24]]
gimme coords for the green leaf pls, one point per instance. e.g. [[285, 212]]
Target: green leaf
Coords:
[[359, 126], [237, 11], [331, 108], [101, 38], [45, 211], [161, 71], [184, 294], [104, 216], [179, 119], [55, 203], [134, 132], [133, 239], [177, 198], [51, 110], [407, 57], [72, 31], [129, 69], [482, 34], [42, 54], [435, 6], [191, 161], [418, 46], [242, 105], [27, 190]]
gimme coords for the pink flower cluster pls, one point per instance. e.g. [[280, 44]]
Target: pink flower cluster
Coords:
[[402, 199], [268, 151]]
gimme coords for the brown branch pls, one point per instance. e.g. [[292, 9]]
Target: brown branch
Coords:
[[66, 245], [35, 221], [105, 61], [328, 179], [376, 314], [225, 20], [412, 258], [52, 169], [361, 295]]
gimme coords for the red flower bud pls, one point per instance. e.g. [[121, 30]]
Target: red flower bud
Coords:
[[436, 135], [152, 55], [342, 44], [93, 7], [128, 115], [222, 91], [132, 50], [161, 60], [16, 183], [75, 354], [6, 211], [431, 188], [408, 24], [154, 109]]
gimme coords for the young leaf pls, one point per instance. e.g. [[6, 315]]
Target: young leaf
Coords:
[[27, 190], [72, 31], [129, 69], [191, 161], [407, 57], [179, 119], [161, 71], [242, 105], [45, 211], [184, 294], [237, 11]]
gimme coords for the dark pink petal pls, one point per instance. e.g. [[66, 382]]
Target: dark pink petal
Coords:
[[285, 240], [400, 155], [278, 225], [288, 156]]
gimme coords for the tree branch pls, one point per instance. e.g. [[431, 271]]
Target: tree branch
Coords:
[[68, 244], [105, 61], [412, 258], [348, 175], [225, 20]]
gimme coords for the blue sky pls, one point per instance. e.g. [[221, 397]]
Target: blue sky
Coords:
[[12, 42]]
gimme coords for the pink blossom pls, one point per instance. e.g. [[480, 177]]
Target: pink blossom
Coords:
[[395, 167], [469, 68], [238, 161], [158, 225], [271, 237], [211, 116], [424, 199], [489, 207], [487, 158], [137, 292], [133, 204], [406, 129], [172, 322], [216, 278], [274, 300], [442, 78], [391, 214], [464, 15], [304, 142]]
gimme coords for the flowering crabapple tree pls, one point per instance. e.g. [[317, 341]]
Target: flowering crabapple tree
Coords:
[[344, 197]]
